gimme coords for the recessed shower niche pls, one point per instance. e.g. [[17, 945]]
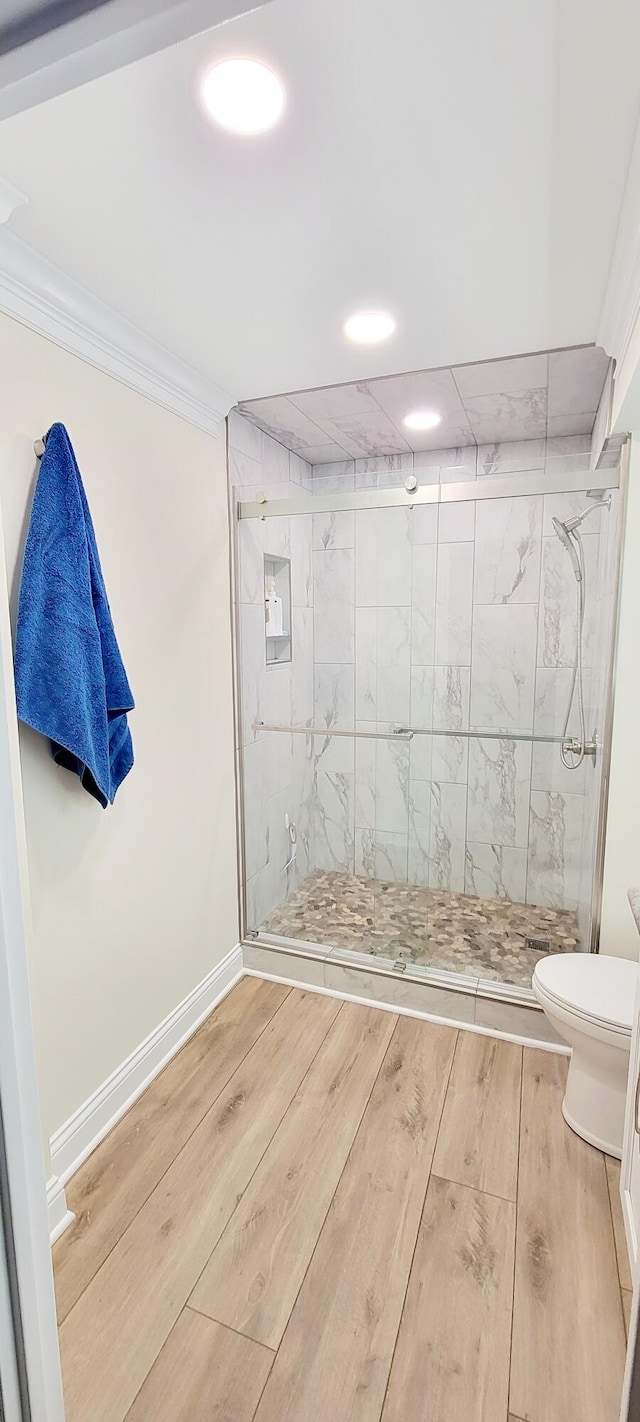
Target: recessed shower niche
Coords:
[[277, 608]]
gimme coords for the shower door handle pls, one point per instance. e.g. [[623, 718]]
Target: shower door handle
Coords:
[[403, 734]]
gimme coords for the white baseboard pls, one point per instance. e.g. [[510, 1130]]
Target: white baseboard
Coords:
[[76, 1139], [60, 1216]]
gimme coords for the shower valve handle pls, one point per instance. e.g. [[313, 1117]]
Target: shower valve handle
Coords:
[[575, 747]]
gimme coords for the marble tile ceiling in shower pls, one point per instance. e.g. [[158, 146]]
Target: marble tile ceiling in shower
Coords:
[[526, 397]]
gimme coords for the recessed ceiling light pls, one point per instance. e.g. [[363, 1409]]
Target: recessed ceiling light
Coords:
[[243, 95], [368, 327], [422, 420]]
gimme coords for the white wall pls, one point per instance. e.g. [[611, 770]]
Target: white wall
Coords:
[[134, 905], [622, 853]]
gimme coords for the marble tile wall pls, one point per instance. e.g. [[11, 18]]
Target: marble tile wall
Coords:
[[452, 618], [521, 398], [596, 701], [278, 770]]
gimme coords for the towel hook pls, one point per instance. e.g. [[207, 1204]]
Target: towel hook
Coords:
[[39, 448]]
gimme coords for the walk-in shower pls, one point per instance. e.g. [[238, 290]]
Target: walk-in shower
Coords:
[[422, 710]]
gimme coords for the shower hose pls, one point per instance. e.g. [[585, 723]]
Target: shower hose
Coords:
[[573, 759]]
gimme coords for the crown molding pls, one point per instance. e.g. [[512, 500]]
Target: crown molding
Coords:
[[42, 296]]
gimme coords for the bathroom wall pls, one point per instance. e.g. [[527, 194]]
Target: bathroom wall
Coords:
[[133, 906], [619, 935], [451, 618], [277, 769]]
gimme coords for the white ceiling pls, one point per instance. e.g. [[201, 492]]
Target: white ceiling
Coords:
[[527, 397], [461, 164]]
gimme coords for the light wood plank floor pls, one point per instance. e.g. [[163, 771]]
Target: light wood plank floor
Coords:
[[320, 1210]]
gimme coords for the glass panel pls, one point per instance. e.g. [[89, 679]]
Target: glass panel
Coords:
[[444, 829], [304, 880]]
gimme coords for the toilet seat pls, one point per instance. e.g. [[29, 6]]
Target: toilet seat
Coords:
[[598, 991]]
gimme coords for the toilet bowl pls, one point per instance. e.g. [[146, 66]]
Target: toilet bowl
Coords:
[[589, 1000]]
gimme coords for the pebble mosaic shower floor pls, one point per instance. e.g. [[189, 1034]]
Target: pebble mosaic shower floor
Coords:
[[480, 937]]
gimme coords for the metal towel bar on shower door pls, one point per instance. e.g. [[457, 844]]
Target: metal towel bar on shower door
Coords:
[[406, 733]]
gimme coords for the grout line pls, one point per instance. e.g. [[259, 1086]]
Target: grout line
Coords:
[[326, 438], [415, 1245], [538, 664], [182, 1147], [431, 800]]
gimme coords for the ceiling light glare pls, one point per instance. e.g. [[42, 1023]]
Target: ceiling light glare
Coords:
[[243, 95], [422, 420], [369, 327]]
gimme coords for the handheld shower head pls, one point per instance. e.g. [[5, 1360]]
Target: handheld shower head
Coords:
[[574, 750], [566, 529], [564, 534]]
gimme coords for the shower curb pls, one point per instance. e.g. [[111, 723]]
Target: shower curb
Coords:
[[473, 1009]]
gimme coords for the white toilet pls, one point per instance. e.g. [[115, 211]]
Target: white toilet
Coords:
[[589, 1000]]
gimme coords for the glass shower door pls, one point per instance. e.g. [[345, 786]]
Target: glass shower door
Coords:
[[405, 797], [297, 729]]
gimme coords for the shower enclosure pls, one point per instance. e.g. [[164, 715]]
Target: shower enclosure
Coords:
[[422, 737]]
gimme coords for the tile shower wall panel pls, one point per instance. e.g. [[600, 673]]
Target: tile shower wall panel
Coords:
[[597, 698], [499, 783], [455, 618], [454, 604], [503, 666], [333, 615], [495, 871], [508, 550], [278, 771]]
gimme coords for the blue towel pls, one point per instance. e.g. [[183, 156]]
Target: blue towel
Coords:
[[70, 682]]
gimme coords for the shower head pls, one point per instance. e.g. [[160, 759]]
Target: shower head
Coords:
[[566, 529], [564, 534]]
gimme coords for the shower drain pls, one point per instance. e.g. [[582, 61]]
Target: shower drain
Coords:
[[539, 945]]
